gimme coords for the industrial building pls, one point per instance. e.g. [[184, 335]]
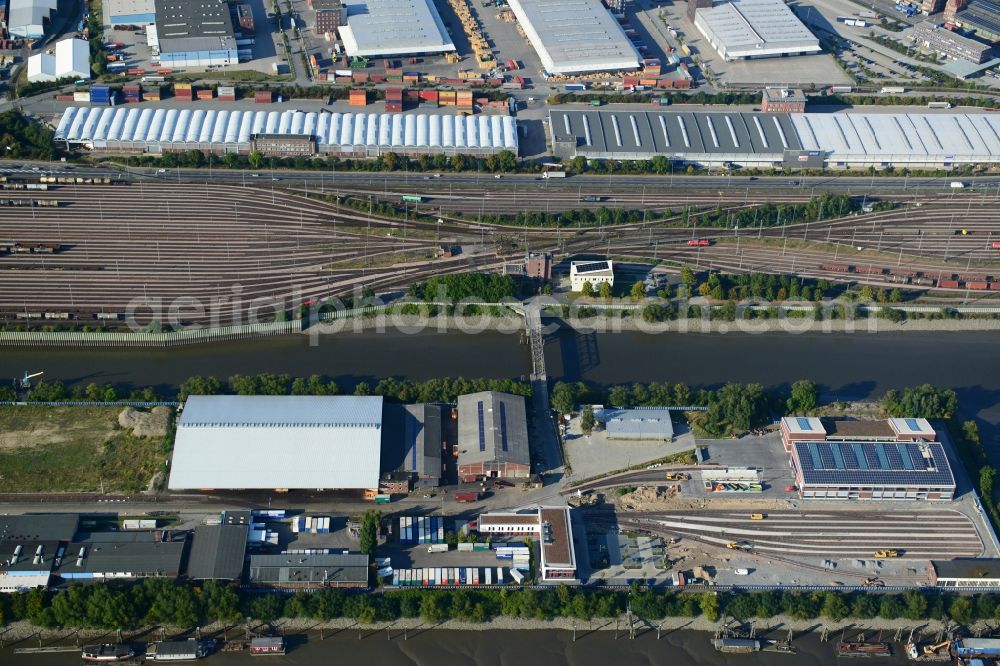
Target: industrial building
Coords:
[[218, 552], [393, 28], [70, 60], [412, 445], [193, 33], [783, 100], [492, 436], [869, 460], [129, 12], [538, 266], [638, 423], [39, 526], [30, 19], [965, 573], [278, 442], [551, 527], [101, 556], [329, 15], [575, 36], [800, 140], [744, 29], [26, 564], [980, 16], [594, 272], [931, 36], [309, 571], [156, 130]]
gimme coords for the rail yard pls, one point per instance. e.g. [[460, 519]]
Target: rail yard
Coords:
[[86, 251]]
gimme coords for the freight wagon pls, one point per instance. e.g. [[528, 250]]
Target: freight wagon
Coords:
[[699, 242], [837, 268]]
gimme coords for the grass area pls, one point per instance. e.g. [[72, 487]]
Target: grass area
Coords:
[[64, 449]]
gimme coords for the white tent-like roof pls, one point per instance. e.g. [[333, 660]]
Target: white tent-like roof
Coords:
[[270, 442]]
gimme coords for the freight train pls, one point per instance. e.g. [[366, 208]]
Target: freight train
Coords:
[[930, 279], [48, 203], [15, 247]]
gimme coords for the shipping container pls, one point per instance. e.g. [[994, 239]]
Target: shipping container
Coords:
[[977, 285], [948, 284], [575, 87], [437, 548]]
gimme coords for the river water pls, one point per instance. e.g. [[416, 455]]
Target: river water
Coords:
[[508, 648], [854, 365]]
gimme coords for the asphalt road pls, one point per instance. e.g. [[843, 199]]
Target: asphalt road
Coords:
[[289, 178]]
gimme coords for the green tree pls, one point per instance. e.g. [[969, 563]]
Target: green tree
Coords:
[[916, 605], [256, 159], [368, 538], [587, 420], [804, 397], [709, 604], [563, 398], [638, 291], [587, 289], [960, 609], [834, 606], [604, 291]]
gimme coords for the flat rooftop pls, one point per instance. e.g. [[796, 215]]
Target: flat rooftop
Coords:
[[638, 133], [218, 552], [393, 27], [269, 442], [557, 545], [843, 429], [967, 568], [639, 423], [894, 464], [194, 25], [39, 526], [755, 28], [575, 36]]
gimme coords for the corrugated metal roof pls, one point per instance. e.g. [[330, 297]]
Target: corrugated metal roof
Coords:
[[494, 423], [278, 442], [676, 132], [900, 137], [394, 27], [640, 423], [575, 36], [281, 411], [218, 552], [755, 28]]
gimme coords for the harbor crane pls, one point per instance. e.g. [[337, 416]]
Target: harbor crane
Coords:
[[28, 376]]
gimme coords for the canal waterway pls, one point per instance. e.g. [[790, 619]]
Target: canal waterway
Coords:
[[505, 648]]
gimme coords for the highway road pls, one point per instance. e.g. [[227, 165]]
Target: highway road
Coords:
[[853, 184]]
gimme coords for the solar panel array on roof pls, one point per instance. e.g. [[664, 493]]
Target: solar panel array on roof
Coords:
[[482, 427], [503, 427], [912, 425], [874, 463], [804, 423], [592, 267]]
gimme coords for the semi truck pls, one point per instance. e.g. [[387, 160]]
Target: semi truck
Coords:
[[554, 174]]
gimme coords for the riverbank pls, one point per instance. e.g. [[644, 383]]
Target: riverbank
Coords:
[[473, 324], [23, 631]]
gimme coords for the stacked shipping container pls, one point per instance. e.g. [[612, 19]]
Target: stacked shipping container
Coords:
[[394, 100], [227, 94], [184, 91], [358, 97], [438, 576]]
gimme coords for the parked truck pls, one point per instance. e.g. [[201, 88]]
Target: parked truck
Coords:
[[554, 174], [466, 497]]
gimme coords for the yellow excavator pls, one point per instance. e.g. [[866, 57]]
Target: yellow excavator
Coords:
[[934, 649], [886, 552]]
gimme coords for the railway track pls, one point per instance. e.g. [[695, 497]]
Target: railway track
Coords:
[[220, 254]]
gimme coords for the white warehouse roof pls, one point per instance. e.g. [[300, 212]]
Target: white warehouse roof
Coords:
[[264, 442], [199, 128], [901, 137], [575, 36], [27, 17], [71, 59], [393, 27], [754, 29]]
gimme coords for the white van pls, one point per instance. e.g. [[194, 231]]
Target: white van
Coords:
[[742, 572]]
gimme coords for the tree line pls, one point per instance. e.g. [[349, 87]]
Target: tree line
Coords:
[[738, 408], [487, 287], [160, 601]]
